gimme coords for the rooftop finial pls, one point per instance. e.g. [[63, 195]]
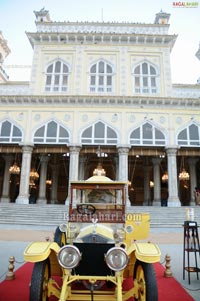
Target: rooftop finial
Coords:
[[162, 18], [42, 15]]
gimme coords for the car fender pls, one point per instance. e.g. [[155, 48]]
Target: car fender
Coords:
[[145, 251], [39, 251]]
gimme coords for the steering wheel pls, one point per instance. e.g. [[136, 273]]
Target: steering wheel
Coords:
[[86, 209]]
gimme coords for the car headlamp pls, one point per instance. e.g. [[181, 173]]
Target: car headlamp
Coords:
[[116, 258], [63, 227], [69, 256]]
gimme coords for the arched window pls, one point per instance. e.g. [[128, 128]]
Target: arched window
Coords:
[[50, 133], [57, 77], [189, 136], [10, 133], [101, 77], [99, 133], [147, 134], [145, 79]]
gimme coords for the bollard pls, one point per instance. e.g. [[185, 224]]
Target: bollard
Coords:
[[167, 272], [11, 274]]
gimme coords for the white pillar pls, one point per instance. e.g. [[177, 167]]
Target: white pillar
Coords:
[[82, 161], [173, 199], [5, 198], [157, 184], [123, 167], [74, 151], [74, 162], [147, 191], [123, 163], [54, 186], [23, 197], [43, 176], [193, 179], [116, 160]]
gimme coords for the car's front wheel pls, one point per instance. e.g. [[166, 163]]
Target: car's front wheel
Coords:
[[146, 281], [39, 281]]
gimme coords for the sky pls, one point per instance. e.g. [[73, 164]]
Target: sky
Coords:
[[17, 18]]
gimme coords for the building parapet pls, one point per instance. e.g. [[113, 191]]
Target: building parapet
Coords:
[[179, 91], [185, 91], [12, 88], [102, 27]]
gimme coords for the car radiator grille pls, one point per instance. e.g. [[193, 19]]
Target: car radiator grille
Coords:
[[93, 262]]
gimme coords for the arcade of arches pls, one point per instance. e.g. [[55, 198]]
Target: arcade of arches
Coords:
[[56, 166]]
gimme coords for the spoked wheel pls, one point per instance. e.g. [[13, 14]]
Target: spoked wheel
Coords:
[[60, 237], [146, 278], [39, 281]]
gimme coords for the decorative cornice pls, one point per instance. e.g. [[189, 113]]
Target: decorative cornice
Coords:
[[103, 101], [101, 38]]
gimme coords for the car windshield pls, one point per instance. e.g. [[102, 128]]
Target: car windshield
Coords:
[[104, 201]]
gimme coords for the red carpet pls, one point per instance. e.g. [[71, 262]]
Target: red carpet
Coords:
[[18, 289]]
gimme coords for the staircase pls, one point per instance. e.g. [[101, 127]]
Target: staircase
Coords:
[[53, 215]]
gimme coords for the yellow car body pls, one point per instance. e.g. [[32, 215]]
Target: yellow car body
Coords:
[[93, 258]]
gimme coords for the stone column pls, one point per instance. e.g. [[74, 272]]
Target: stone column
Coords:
[[54, 186], [123, 168], [193, 179], [82, 161], [23, 197], [74, 162], [156, 179], [147, 191], [123, 163], [74, 151], [43, 176], [116, 160], [5, 198], [173, 199]]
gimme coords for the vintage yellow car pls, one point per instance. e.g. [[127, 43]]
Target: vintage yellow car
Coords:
[[96, 255]]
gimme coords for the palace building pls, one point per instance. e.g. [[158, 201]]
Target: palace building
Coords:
[[100, 94]]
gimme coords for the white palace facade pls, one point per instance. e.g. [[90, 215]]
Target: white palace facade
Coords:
[[99, 92]]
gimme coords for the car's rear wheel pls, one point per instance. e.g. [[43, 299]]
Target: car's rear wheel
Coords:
[[39, 281], [60, 237], [146, 279]]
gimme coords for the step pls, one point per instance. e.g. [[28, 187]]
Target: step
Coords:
[[50, 214]]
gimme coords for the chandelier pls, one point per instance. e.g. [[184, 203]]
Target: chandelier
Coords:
[[101, 154], [165, 177], [34, 174], [48, 182], [99, 171], [183, 175], [32, 184], [14, 169], [151, 184]]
